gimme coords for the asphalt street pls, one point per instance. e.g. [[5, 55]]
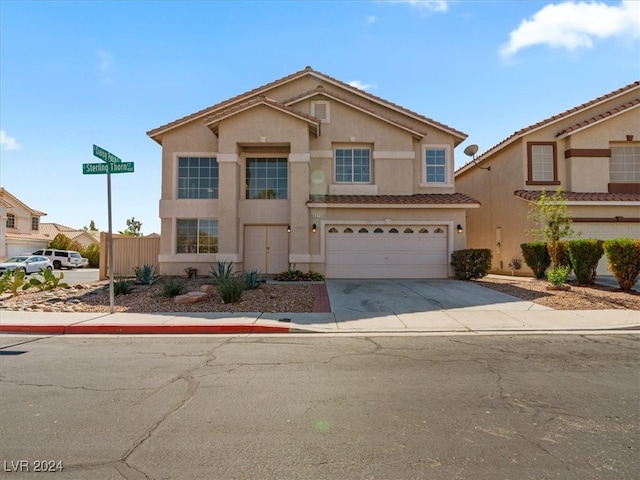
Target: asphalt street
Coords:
[[310, 407]]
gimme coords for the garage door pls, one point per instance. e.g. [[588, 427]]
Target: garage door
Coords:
[[365, 251], [606, 231]]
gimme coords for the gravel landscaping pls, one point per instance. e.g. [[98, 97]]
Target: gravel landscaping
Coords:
[[293, 297]]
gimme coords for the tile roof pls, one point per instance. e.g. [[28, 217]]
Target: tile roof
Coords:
[[306, 71], [417, 199], [603, 116], [534, 195], [563, 115]]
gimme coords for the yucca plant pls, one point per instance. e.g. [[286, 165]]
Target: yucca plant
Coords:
[[231, 288], [221, 272]]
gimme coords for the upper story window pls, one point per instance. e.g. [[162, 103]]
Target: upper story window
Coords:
[[542, 163], [197, 177], [624, 165], [11, 220], [435, 166], [320, 110], [35, 223], [267, 178], [197, 235], [353, 165]]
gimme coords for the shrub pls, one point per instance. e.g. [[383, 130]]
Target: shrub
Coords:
[[49, 281], [122, 287], [623, 255], [298, 276], [471, 263], [146, 275], [561, 254], [536, 256], [14, 281], [92, 253], [251, 279], [558, 275], [173, 287], [585, 255], [221, 272], [60, 242], [231, 288]]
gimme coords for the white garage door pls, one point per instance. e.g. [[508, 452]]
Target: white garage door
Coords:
[[606, 231], [359, 251]]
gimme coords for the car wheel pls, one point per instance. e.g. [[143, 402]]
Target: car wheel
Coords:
[[57, 265], [49, 267]]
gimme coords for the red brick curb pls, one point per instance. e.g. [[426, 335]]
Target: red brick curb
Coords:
[[80, 329]]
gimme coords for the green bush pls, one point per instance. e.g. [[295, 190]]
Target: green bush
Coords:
[[536, 256], [564, 260], [60, 242], [14, 281], [172, 287], [146, 275], [122, 287], [92, 253], [585, 255], [221, 272], [231, 288], [623, 255], [471, 263], [298, 276], [558, 275]]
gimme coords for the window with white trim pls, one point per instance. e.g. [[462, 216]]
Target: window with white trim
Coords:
[[436, 165], [11, 220], [353, 165], [197, 177], [624, 165], [197, 235]]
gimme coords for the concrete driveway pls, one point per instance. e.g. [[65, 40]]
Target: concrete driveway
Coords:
[[356, 297]]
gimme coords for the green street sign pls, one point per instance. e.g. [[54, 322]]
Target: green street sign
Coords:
[[98, 168], [102, 154]]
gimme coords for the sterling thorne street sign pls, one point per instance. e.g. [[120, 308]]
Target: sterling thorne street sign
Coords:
[[108, 157], [97, 168]]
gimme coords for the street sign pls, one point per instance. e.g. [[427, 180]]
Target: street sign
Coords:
[[98, 168], [102, 154]]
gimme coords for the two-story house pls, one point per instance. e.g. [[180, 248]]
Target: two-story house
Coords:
[[308, 170], [592, 151], [20, 226]]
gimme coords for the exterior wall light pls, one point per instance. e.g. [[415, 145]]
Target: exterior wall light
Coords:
[[314, 229], [460, 229], [288, 228]]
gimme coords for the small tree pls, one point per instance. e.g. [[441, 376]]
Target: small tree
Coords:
[[60, 242], [133, 228], [553, 221]]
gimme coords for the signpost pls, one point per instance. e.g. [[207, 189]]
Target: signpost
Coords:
[[112, 165]]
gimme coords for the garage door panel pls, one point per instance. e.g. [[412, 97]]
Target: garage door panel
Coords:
[[386, 255]]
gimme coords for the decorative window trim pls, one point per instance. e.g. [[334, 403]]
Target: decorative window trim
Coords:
[[267, 159], [11, 220], [335, 165], [191, 155], [622, 164], [321, 109], [195, 249], [35, 224], [530, 180], [448, 181]]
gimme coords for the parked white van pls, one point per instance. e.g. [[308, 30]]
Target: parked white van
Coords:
[[62, 258]]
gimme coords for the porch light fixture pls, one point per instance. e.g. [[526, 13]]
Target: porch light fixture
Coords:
[[460, 229], [471, 151], [314, 229], [288, 228]]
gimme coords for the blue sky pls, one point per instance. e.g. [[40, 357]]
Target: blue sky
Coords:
[[78, 73]]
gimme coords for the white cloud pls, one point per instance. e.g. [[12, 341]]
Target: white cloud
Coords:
[[360, 85], [7, 142], [371, 19], [573, 24], [105, 60], [430, 5]]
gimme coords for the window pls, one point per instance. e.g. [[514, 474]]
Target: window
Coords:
[[436, 170], [541, 164], [11, 220], [35, 223], [624, 165], [353, 165], [320, 110], [197, 235], [197, 177], [267, 178]]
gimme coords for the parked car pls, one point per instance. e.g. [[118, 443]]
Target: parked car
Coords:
[[61, 258], [28, 263], [85, 262]]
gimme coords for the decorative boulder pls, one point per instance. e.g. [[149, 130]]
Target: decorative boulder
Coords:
[[191, 297]]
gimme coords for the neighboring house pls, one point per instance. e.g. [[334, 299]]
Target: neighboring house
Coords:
[[592, 151], [83, 237], [20, 226], [308, 171]]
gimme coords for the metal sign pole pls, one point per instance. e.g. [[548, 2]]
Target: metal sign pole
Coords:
[[111, 289]]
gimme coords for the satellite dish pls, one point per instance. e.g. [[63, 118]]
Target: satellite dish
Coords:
[[471, 150]]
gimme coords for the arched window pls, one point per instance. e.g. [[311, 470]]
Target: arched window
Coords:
[[423, 230], [363, 230], [438, 230], [333, 230], [378, 230], [393, 230], [11, 220], [408, 230], [348, 230]]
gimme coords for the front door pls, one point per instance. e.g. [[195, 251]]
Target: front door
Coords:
[[266, 248]]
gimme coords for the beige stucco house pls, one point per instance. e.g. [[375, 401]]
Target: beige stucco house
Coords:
[[83, 237], [310, 171], [19, 226], [592, 151]]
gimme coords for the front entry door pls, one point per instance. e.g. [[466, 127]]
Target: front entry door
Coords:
[[266, 248]]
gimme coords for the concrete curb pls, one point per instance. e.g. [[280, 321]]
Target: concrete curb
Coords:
[[80, 329]]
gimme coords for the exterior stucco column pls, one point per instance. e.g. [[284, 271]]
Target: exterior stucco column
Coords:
[[299, 192], [228, 188]]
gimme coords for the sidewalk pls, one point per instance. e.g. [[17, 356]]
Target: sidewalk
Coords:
[[526, 319]]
